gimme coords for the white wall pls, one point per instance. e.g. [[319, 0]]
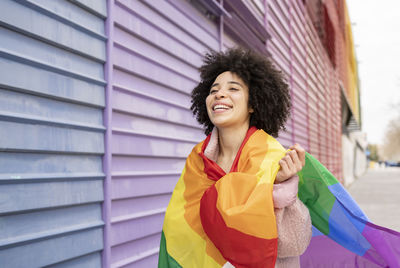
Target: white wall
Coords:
[[354, 161]]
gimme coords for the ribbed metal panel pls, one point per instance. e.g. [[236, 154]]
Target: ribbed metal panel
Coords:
[[297, 50], [258, 8], [157, 47], [315, 83], [51, 133], [278, 25], [299, 74], [323, 102]]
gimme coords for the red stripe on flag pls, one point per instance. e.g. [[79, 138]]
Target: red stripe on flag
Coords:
[[241, 250], [211, 168]]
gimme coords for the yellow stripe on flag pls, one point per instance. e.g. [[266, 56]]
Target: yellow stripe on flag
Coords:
[[183, 243]]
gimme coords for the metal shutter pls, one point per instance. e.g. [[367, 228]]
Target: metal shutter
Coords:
[[51, 133]]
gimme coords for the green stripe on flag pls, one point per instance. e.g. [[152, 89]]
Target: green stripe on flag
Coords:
[[164, 259], [314, 192]]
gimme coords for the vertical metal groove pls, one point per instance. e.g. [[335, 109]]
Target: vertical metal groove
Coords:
[[221, 29], [108, 72], [291, 68]]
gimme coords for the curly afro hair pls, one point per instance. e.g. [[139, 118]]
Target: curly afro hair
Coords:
[[268, 91]]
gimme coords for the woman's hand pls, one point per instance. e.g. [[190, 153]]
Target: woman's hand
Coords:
[[291, 163]]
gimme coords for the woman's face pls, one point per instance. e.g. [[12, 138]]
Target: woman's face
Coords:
[[227, 103]]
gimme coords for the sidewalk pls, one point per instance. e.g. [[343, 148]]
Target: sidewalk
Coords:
[[378, 194]]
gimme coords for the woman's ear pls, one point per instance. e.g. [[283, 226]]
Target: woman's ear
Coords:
[[251, 110]]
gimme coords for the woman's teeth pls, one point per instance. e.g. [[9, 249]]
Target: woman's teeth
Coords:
[[220, 106]]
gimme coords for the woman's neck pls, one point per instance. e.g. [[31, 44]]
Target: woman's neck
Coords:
[[229, 140]]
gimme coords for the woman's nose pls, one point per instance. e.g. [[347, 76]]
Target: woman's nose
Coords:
[[220, 94]]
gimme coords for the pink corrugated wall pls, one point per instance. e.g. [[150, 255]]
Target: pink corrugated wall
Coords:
[[297, 50]]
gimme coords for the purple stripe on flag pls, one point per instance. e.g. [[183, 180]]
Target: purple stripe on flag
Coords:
[[324, 252], [385, 241]]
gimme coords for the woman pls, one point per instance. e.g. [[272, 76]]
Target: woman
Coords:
[[232, 203]]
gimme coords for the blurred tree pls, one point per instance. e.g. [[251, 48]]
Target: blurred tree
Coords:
[[391, 144], [373, 149]]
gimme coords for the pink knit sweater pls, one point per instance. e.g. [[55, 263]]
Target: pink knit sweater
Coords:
[[293, 222]]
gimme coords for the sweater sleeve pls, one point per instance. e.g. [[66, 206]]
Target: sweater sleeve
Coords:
[[285, 193], [294, 229], [292, 218]]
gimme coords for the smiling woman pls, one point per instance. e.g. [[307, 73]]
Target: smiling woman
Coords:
[[228, 206]]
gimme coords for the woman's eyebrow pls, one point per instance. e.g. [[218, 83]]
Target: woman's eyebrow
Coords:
[[234, 82], [230, 82]]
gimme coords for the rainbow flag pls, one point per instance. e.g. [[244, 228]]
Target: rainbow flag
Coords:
[[342, 234], [214, 217]]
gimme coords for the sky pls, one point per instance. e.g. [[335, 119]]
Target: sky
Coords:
[[376, 34]]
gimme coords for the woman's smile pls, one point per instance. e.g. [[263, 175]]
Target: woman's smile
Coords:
[[220, 107]]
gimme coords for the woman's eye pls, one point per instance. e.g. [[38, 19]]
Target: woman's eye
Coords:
[[234, 89], [212, 91]]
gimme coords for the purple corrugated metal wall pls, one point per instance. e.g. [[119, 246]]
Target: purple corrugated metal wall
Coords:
[[279, 21], [154, 50], [51, 133]]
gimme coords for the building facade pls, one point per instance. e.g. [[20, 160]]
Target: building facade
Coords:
[[95, 124]]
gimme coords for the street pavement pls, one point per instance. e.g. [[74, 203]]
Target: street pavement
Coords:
[[377, 192]]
